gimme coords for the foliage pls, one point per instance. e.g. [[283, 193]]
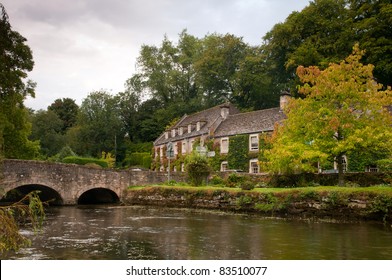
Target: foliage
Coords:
[[385, 164], [16, 61], [138, 159], [238, 152], [65, 152], [98, 127], [28, 209], [234, 180], [67, 110], [343, 112], [109, 158], [47, 129], [84, 161], [197, 168]]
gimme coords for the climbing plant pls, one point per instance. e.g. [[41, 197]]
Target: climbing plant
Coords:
[[238, 155]]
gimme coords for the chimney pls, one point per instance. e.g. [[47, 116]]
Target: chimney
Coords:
[[225, 110], [284, 99]]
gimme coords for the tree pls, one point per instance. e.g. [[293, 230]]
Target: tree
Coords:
[[321, 33], [197, 168], [344, 111], [15, 61], [67, 111], [373, 30], [98, 128], [47, 128], [30, 208]]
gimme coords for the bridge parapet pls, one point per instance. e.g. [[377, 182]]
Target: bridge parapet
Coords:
[[70, 181]]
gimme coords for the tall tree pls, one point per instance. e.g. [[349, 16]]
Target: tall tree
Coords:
[[344, 111], [15, 61], [67, 110], [373, 29], [98, 127], [47, 128], [321, 33]]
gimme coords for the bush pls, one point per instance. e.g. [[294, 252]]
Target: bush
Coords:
[[247, 186], [217, 180], [138, 159], [84, 161], [197, 169]]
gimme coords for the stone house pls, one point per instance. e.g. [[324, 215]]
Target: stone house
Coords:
[[217, 124]]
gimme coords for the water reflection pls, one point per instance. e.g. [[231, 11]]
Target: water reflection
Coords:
[[118, 232]]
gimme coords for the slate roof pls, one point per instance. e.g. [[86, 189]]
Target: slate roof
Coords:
[[235, 123], [250, 122], [208, 118]]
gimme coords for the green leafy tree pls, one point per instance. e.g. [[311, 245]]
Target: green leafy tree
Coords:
[[47, 128], [67, 111], [197, 168], [344, 111], [15, 61], [321, 33], [98, 128], [373, 30]]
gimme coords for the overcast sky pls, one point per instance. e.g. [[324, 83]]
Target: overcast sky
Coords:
[[80, 46]]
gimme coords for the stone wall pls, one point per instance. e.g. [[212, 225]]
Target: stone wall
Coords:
[[70, 181]]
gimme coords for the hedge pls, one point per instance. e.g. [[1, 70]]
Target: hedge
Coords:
[[84, 161]]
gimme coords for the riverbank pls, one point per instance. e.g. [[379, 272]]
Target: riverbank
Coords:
[[337, 203]]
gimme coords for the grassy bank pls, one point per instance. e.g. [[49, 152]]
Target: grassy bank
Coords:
[[326, 202]]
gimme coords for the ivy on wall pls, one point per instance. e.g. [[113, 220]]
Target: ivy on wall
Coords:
[[238, 155]]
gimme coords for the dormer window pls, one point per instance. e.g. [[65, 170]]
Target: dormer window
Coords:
[[166, 134], [181, 130], [189, 128], [173, 133], [198, 126]]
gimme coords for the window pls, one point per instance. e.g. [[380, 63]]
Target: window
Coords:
[[254, 166], [189, 128], [161, 152], [371, 168], [181, 131], [198, 126], [224, 149], [173, 132], [184, 147], [224, 166], [254, 142], [344, 164]]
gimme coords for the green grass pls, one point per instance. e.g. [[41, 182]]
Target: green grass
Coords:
[[386, 190]]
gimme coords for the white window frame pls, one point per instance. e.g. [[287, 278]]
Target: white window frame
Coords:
[[184, 148], [224, 149], [252, 168], [251, 148]]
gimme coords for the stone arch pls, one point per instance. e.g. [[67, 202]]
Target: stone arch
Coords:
[[98, 195], [46, 194]]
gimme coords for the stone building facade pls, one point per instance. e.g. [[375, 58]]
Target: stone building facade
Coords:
[[217, 125]]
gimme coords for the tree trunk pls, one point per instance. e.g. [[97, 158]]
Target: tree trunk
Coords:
[[340, 171]]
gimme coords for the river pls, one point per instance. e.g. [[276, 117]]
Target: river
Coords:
[[131, 232]]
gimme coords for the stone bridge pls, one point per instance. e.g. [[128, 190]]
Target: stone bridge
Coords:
[[70, 184]]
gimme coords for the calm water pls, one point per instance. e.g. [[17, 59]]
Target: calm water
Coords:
[[120, 232]]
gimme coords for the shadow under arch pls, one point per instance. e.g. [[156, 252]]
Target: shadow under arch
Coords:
[[46, 194], [98, 196]]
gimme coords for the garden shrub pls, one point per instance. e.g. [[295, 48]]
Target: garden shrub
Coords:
[[197, 168]]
